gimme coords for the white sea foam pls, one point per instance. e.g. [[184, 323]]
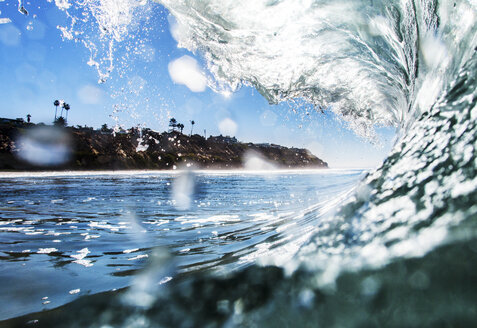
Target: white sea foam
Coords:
[[132, 250], [79, 258], [74, 291], [141, 256], [214, 219], [81, 254], [46, 250]]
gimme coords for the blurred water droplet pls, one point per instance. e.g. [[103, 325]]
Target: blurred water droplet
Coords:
[[228, 127], [5, 20], [419, 280], [44, 146], [370, 286], [145, 286], [183, 189], [255, 162], [306, 298]]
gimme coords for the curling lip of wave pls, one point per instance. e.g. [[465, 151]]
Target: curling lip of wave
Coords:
[[362, 59]]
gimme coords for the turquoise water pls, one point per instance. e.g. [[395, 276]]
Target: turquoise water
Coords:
[[64, 236]]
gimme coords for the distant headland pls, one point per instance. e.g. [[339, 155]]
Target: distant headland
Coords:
[[135, 148]]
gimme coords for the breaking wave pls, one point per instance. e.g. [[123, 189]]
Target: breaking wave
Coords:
[[397, 252]]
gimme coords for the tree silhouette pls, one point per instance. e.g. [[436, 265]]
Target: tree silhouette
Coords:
[[67, 108], [63, 107], [192, 128], [28, 118], [56, 103], [60, 121], [173, 123], [180, 126]]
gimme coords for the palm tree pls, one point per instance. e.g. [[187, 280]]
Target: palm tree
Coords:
[[56, 103], [180, 126], [192, 128], [173, 123], [67, 108]]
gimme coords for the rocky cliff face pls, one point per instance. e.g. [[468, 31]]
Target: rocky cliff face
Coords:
[[147, 149]]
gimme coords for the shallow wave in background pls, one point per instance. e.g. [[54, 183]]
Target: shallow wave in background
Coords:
[[398, 252]]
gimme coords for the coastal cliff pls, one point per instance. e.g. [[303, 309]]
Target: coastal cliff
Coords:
[[146, 149]]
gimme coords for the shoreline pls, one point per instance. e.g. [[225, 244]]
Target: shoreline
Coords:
[[79, 173]]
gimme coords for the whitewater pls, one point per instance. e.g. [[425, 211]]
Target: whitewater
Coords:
[[399, 250]]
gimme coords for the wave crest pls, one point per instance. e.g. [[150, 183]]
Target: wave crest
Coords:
[[359, 59]]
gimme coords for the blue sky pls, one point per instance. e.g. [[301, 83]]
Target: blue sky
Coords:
[[38, 66]]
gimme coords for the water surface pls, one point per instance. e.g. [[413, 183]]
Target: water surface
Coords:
[[63, 235]]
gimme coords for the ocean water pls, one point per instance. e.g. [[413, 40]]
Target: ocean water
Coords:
[[399, 249], [81, 233]]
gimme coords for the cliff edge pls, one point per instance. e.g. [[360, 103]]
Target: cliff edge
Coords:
[[90, 149]]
